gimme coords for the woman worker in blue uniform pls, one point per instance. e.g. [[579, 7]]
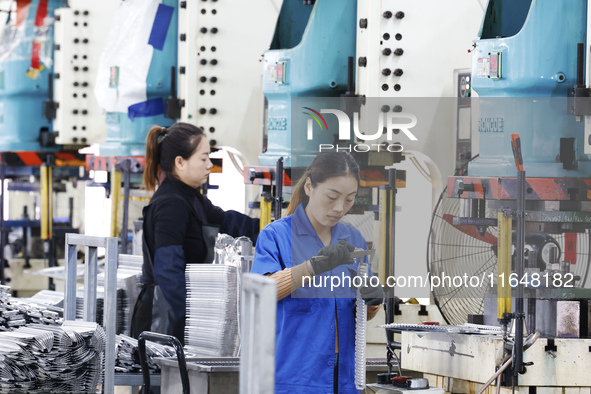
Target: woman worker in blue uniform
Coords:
[[315, 329], [180, 225]]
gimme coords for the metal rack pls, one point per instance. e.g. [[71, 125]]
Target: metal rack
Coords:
[[258, 311], [91, 244]]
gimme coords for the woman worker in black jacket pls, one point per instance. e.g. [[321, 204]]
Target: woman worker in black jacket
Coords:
[[180, 225]]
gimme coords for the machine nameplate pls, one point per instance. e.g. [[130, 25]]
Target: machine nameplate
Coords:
[[495, 65], [277, 123], [276, 72], [489, 66], [490, 125]]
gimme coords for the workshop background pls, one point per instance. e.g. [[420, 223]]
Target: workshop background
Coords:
[[479, 207]]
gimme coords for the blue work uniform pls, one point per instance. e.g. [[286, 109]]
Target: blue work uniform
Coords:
[[305, 344]]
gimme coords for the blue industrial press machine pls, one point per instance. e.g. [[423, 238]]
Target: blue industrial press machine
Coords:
[[526, 92], [310, 59], [126, 136], [26, 81], [27, 109], [527, 68]]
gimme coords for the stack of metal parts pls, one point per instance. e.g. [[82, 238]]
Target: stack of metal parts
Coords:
[[16, 313], [129, 272], [127, 354], [48, 298], [128, 288], [212, 310], [122, 307], [4, 294], [41, 358]]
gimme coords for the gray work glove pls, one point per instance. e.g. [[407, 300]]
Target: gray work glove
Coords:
[[338, 254], [372, 295]]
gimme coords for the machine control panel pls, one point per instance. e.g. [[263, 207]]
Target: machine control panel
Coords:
[[463, 82]]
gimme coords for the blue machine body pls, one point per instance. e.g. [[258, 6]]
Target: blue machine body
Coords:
[[310, 62], [538, 66], [126, 137], [22, 97]]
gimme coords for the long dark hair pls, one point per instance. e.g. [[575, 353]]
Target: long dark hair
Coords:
[[325, 165], [164, 144]]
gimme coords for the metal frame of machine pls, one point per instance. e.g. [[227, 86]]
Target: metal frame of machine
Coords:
[[552, 199]]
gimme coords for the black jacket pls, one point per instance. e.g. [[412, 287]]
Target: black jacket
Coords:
[[179, 226]]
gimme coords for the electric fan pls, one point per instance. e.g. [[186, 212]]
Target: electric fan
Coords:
[[460, 252]]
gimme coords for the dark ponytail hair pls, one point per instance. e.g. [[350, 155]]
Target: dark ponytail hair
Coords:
[[164, 144], [325, 165]]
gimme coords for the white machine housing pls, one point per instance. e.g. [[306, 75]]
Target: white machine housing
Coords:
[[79, 40], [221, 93]]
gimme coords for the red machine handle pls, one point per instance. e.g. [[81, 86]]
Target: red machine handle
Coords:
[[516, 145]]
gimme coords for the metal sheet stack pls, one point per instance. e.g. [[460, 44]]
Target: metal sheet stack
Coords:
[[212, 310], [127, 354], [129, 273], [4, 294], [41, 358], [128, 289], [16, 312], [49, 299], [122, 307]]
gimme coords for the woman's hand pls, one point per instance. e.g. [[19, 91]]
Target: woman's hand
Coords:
[[372, 295], [337, 254]]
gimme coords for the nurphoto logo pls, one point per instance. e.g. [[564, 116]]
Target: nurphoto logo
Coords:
[[388, 123]]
